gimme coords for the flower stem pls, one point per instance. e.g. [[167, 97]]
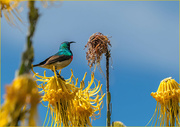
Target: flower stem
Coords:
[[108, 97], [172, 117], [28, 55]]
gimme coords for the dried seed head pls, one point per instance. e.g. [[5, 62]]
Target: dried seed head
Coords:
[[96, 46]]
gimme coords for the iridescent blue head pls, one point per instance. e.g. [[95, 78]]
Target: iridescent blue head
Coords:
[[65, 45]]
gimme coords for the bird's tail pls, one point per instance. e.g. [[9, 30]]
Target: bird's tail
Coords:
[[35, 65]]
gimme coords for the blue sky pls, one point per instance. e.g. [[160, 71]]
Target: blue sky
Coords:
[[145, 49]]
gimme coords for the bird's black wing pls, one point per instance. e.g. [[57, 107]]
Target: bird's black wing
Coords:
[[56, 58], [43, 62]]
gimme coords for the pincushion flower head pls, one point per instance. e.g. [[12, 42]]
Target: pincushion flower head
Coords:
[[59, 94], [21, 96], [10, 10], [70, 105], [168, 98], [87, 103], [96, 46]]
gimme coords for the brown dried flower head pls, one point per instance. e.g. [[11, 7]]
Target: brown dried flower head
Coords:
[[96, 46]]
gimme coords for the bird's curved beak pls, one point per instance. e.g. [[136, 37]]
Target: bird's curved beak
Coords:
[[72, 42]]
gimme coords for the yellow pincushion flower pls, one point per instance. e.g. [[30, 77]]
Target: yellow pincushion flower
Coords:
[[21, 94], [87, 103], [10, 11], [68, 104], [59, 94], [168, 98], [9, 5]]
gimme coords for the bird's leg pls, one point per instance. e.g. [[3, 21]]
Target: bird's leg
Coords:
[[59, 76]]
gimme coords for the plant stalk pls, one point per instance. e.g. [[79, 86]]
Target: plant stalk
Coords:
[[28, 55], [108, 97], [172, 117]]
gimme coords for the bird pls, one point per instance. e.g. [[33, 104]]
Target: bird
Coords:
[[59, 60]]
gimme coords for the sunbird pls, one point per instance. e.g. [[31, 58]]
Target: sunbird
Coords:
[[59, 60]]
